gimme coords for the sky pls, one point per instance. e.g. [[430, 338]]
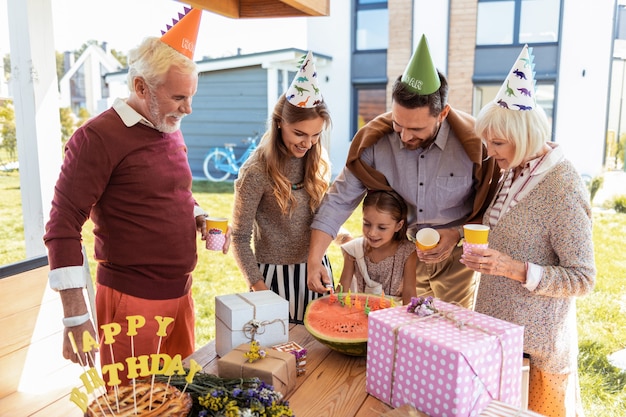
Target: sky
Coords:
[[124, 23]]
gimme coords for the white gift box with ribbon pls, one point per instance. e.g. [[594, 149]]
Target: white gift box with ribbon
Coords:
[[240, 318]]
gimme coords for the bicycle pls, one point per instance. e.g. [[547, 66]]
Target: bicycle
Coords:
[[221, 162]]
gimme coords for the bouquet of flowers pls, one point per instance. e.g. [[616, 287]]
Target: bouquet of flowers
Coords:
[[243, 397], [422, 306], [255, 352]]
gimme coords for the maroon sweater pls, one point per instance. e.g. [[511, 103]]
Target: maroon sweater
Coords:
[[135, 184]]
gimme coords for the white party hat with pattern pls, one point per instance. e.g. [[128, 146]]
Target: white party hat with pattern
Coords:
[[304, 91], [518, 90]]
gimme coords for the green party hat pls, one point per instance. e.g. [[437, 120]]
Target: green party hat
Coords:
[[421, 75]]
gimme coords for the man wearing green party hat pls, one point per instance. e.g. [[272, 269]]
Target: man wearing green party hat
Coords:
[[429, 154]]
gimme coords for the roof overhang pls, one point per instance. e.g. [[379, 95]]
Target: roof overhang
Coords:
[[285, 59], [239, 9]]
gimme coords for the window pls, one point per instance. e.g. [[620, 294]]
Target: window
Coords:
[[620, 32], [104, 87], [539, 21], [372, 25], [544, 93], [370, 102], [514, 22], [495, 22]]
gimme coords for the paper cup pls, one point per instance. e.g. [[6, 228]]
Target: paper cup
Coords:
[[215, 241], [469, 247], [426, 238], [216, 228], [476, 233], [215, 224]]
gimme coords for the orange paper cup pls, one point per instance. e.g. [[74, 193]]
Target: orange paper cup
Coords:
[[426, 238], [476, 233], [216, 225]]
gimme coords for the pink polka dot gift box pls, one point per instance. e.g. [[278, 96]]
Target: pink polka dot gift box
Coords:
[[444, 360]]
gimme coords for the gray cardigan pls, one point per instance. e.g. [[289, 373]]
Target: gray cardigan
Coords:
[[551, 227]]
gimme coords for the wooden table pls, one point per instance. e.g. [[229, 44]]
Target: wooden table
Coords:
[[333, 384]]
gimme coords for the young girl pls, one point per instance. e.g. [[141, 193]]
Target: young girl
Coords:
[[278, 190], [383, 260]]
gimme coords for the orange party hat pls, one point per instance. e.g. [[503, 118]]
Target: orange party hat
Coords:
[[183, 33]]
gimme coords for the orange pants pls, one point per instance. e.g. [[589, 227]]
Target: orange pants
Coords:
[[113, 306], [554, 395]]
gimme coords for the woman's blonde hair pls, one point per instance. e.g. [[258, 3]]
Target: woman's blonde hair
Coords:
[[152, 59], [528, 130], [275, 154]]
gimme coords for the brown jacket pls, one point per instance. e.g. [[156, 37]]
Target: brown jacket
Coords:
[[486, 172]]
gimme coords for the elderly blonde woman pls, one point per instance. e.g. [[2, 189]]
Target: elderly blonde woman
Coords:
[[540, 255]]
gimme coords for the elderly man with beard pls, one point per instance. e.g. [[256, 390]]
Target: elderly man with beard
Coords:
[[127, 170], [429, 154]]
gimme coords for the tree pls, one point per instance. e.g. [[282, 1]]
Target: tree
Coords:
[[68, 124], [6, 64], [83, 116], [60, 61], [7, 131], [121, 57]]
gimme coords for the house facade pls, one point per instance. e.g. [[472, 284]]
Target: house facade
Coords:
[[235, 97], [474, 43], [83, 85], [364, 45]]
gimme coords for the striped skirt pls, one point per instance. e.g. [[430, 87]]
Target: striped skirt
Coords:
[[289, 281]]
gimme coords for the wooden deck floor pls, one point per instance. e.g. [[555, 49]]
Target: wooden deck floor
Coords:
[[44, 379]]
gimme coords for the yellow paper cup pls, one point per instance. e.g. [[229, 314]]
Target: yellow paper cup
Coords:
[[476, 233], [426, 238], [216, 225]]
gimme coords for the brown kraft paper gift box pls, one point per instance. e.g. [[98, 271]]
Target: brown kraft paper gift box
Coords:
[[276, 368]]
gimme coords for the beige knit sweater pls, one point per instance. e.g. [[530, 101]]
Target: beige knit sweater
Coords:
[[278, 238], [550, 227]]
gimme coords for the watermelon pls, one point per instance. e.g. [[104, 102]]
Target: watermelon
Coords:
[[341, 327]]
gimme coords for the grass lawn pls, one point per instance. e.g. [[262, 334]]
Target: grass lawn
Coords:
[[601, 315]]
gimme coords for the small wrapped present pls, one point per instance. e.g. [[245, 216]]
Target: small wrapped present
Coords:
[[500, 409], [296, 350], [240, 318], [274, 368], [447, 361]]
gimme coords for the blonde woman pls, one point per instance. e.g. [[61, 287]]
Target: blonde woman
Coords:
[[278, 191]]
